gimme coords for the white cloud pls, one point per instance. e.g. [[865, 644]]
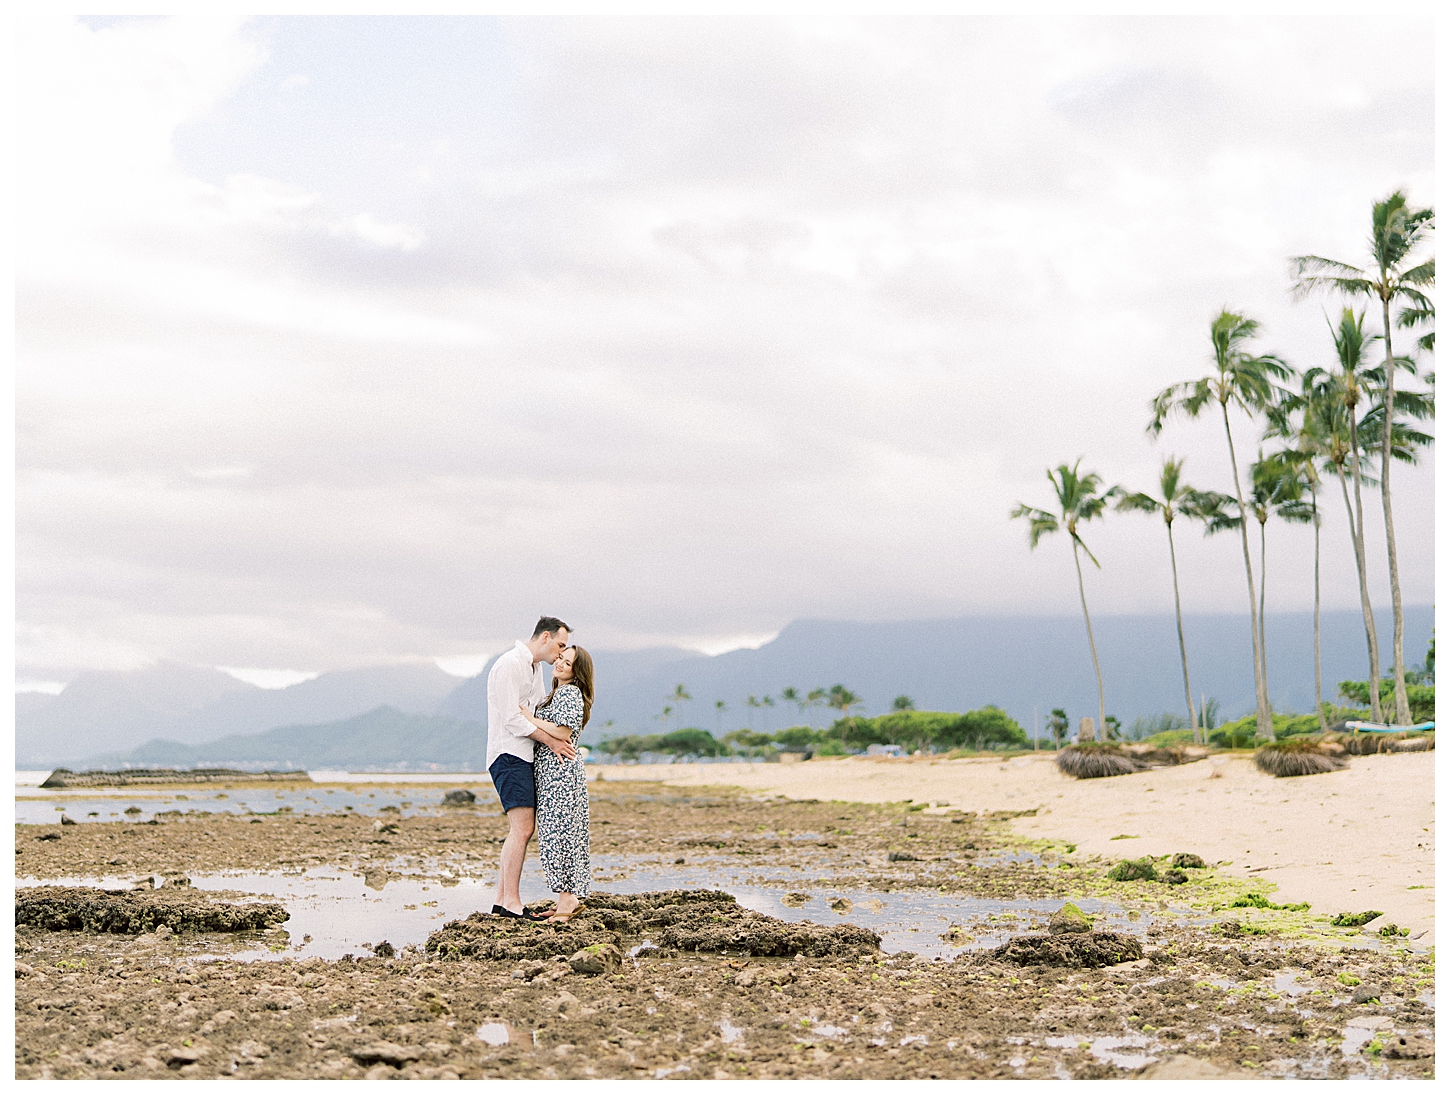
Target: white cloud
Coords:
[[268, 678], [678, 329]]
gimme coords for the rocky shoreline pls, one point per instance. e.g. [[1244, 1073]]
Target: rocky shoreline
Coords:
[[688, 983]]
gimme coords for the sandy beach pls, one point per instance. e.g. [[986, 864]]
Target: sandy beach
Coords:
[[1361, 838]]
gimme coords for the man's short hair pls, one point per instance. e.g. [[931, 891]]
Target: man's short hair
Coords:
[[551, 624]]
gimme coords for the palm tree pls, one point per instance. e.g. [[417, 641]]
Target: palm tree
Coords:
[[1396, 230], [903, 703], [1335, 399], [767, 701], [790, 695], [1312, 439], [1244, 380], [816, 697], [1058, 726], [752, 703], [719, 715], [680, 696], [842, 699], [1175, 496], [1078, 502], [1278, 491]]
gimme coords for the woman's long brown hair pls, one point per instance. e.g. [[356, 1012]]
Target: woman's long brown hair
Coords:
[[583, 679]]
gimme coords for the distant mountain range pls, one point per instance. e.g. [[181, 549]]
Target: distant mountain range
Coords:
[[108, 712], [416, 714], [382, 739]]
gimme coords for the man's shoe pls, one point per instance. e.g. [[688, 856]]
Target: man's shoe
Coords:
[[499, 910]]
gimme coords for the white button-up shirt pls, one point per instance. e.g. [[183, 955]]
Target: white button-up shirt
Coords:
[[514, 679]]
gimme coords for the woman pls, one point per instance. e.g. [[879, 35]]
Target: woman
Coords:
[[562, 813]]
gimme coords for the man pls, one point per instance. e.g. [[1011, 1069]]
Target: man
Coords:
[[518, 678]]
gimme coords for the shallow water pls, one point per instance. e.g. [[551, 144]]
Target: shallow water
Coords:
[[34, 806], [336, 912]]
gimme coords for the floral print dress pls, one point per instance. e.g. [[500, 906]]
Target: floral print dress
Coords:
[[562, 794]]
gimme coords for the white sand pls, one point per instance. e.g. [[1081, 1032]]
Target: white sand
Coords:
[[1347, 841]]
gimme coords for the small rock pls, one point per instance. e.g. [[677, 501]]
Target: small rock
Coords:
[[183, 1055], [460, 797], [900, 857], [528, 971], [384, 950], [67, 821], [1134, 870], [1069, 918], [1355, 920], [132, 811], [163, 932], [48, 836], [252, 1050], [1183, 1067], [1175, 878], [1365, 993], [388, 1053], [180, 882], [1070, 949], [22, 970], [795, 900], [1188, 859], [375, 878], [596, 959], [1409, 1047], [745, 978], [841, 905]]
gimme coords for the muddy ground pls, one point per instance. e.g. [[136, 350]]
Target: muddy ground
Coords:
[[1252, 990]]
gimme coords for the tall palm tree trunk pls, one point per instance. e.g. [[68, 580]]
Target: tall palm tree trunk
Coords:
[[1402, 698], [1092, 645], [1318, 676], [1182, 647], [1265, 723], [1263, 594], [1356, 533]]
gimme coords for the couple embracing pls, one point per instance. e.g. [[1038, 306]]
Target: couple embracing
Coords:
[[536, 770]]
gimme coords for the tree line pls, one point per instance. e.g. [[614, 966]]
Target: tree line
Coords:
[[1334, 421], [935, 731]]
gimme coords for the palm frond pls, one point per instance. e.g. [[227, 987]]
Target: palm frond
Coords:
[[1424, 274], [1138, 503]]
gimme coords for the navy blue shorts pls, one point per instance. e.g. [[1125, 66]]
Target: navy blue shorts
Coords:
[[513, 779]]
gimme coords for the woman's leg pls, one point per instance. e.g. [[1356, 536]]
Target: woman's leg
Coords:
[[548, 819], [573, 843]]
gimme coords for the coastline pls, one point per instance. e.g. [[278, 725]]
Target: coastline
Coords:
[[1361, 838]]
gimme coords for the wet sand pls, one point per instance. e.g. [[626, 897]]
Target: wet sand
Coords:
[[1226, 986], [1362, 838]]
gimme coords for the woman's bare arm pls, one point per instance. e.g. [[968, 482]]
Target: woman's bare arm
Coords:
[[563, 733]]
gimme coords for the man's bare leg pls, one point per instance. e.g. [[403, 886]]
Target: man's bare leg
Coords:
[[511, 862]]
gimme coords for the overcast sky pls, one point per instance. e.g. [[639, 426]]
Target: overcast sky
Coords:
[[343, 341]]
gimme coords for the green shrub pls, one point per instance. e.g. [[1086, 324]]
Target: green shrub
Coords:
[[1239, 734], [686, 742], [1421, 696], [1165, 738], [941, 730], [798, 738]]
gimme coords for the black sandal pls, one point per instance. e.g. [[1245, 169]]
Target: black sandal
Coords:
[[499, 910]]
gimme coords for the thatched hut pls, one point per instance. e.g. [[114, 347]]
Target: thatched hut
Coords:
[[1297, 757], [1097, 760]]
